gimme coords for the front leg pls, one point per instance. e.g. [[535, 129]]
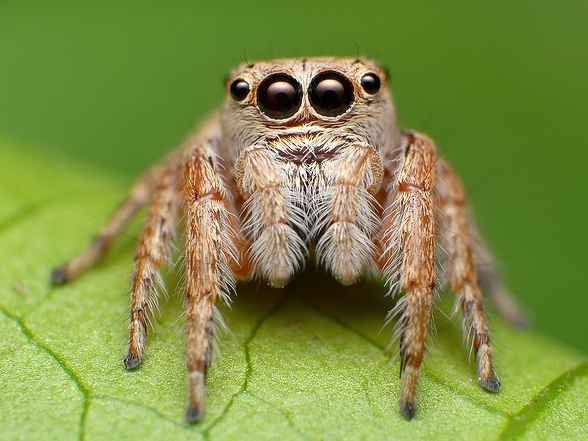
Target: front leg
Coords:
[[209, 247], [409, 255]]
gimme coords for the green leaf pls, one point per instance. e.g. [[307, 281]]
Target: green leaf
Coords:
[[307, 362]]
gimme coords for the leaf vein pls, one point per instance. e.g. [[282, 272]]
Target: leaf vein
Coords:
[[522, 420], [248, 366], [24, 212], [63, 365], [281, 412]]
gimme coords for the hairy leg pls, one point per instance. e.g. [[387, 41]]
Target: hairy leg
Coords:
[[494, 287], [153, 250], [409, 255], [462, 271], [277, 251], [139, 196], [348, 214], [209, 248]]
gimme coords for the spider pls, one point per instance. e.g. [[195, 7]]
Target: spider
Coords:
[[305, 158]]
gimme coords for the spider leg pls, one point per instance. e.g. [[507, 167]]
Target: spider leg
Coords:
[[153, 250], [490, 279], [209, 249], [461, 269], [408, 242], [139, 196], [347, 214]]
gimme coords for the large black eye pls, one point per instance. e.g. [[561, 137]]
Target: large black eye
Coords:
[[371, 83], [279, 96], [330, 93], [239, 89]]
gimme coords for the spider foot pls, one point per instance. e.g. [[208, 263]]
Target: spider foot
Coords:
[[408, 409], [408, 395], [58, 276], [195, 410], [132, 361], [492, 383], [194, 414]]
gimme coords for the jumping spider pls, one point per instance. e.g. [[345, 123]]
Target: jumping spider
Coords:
[[305, 157]]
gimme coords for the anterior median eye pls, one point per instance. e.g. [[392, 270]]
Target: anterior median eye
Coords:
[[330, 93], [279, 96]]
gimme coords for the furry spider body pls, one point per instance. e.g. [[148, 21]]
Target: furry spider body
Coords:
[[304, 155]]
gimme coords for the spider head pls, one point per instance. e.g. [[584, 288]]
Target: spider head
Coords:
[[347, 96]]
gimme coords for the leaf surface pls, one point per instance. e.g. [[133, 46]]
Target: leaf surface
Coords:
[[304, 363]]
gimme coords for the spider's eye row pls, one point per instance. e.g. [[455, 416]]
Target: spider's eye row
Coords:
[[279, 96], [239, 89], [371, 83], [330, 93]]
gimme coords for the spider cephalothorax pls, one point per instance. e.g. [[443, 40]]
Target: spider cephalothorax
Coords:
[[305, 154]]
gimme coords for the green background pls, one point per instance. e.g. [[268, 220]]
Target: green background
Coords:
[[501, 86], [96, 92]]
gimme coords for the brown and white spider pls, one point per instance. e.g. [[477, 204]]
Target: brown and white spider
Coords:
[[305, 158]]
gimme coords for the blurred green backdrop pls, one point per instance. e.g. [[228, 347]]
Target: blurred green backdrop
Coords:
[[502, 87]]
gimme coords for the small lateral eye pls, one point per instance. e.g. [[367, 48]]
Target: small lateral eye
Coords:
[[371, 83], [239, 89], [279, 96], [330, 93]]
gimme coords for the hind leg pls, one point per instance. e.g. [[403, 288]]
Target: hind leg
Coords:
[[153, 250], [139, 196], [462, 271]]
